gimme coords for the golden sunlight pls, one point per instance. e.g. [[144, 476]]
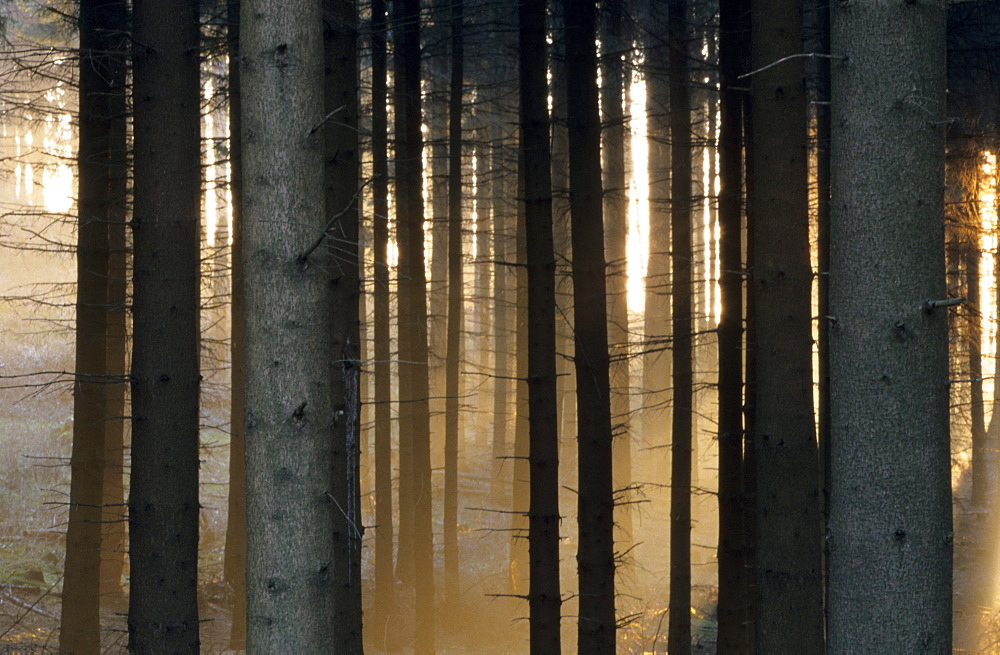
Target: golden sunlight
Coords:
[[987, 267], [638, 198]]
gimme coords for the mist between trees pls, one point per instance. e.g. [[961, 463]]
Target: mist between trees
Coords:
[[483, 326]]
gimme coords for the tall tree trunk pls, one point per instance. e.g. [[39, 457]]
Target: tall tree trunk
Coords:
[[732, 567], [788, 580], [614, 136], [544, 601], [236, 528], [890, 511], [80, 617], [163, 499], [290, 546], [413, 318], [384, 579], [521, 487], [595, 509], [456, 293], [682, 260], [114, 541], [502, 285], [341, 230]]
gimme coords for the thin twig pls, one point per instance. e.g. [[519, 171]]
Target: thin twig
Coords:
[[810, 55]]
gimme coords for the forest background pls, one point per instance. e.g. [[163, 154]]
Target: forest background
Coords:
[[662, 159]]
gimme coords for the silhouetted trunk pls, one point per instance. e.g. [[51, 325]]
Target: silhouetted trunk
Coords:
[[595, 509], [384, 579], [80, 616], [415, 422], [456, 293], [163, 498], [614, 137], [732, 568], [343, 188], [288, 260], [890, 511], [544, 601], [521, 487], [504, 278], [679, 636], [750, 376], [788, 581], [114, 541], [236, 528]]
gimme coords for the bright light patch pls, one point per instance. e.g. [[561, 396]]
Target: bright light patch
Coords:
[[987, 181], [638, 199]]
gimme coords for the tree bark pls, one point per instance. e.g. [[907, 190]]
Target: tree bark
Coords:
[[595, 509], [163, 499], [544, 600], [290, 409], [343, 189], [890, 533]]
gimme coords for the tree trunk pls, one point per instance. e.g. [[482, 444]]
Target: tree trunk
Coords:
[[595, 509], [503, 273], [679, 637], [788, 580], [544, 601], [236, 528], [163, 499], [384, 579], [342, 182], [289, 447], [890, 533], [732, 566], [80, 617], [456, 293], [413, 319]]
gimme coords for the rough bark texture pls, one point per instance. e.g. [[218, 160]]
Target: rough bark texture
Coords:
[[384, 581], [788, 580], [595, 509], [80, 617], [290, 545], [456, 293], [890, 539], [163, 499], [544, 601], [343, 188], [236, 528], [682, 290], [732, 566]]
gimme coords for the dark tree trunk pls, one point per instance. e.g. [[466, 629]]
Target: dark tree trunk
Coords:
[[544, 601], [236, 529], [732, 567], [788, 581], [503, 273], [456, 293], [521, 487], [679, 636], [595, 510], [101, 23], [384, 580], [890, 531], [413, 319], [163, 499], [342, 182]]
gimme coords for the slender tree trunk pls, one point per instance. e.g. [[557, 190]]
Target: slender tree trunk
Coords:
[[890, 532], [163, 499], [788, 580], [456, 293], [613, 80], [521, 487], [595, 510], [236, 529], [342, 182], [732, 567], [679, 637], [80, 617], [544, 601], [413, 318], [502, 274], [384, 579], [291, 566], [114, 541]]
